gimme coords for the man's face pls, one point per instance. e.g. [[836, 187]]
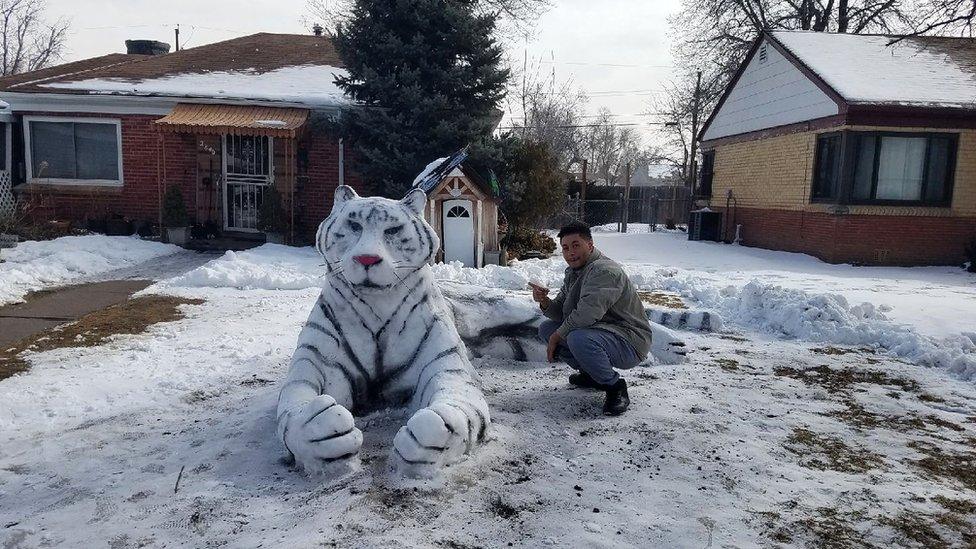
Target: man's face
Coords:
[[576, 250]]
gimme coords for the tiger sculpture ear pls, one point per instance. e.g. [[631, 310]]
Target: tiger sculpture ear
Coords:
[[415, 201], [343, 193]]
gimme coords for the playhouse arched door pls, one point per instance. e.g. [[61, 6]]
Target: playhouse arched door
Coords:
[[458, 232]]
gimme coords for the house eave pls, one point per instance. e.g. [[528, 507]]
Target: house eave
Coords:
[[132, 104]]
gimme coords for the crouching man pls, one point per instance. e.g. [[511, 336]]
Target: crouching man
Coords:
[[597, 322]]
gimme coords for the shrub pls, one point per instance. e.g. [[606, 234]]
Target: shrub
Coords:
[[271, 216], [174, 210], [521, 240]]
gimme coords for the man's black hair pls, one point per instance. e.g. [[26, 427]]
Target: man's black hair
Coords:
[[576, 227]]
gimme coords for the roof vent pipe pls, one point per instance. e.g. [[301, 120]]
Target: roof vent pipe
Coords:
[[146, 47]]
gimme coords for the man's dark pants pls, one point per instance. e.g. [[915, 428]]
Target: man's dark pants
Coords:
[[593, 351]]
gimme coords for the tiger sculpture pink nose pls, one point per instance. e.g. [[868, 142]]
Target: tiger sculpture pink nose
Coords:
[[368, 260]]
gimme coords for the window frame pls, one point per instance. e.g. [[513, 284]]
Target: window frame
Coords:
[[29, 160], [706, 155], [950, 177], [839, 185]]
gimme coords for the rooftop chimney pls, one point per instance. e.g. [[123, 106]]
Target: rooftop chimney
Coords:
[[317, 29], [146, 47]]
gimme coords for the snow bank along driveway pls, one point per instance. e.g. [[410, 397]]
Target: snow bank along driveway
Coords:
[[35, 265], [777, 431]]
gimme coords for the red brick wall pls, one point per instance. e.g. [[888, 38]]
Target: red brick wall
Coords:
[[143, 165], [149, 157], [859, 239], [314, 198]]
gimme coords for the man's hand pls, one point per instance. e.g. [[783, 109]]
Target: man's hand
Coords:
[[554, 340], [540, 294]]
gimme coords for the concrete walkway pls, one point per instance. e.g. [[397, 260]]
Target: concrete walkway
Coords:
[[69, 303], [62, 305]]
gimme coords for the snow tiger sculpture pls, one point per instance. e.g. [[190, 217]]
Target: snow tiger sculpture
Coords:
[[380, 334]]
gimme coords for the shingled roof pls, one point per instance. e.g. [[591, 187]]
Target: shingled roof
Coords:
[[263, 66]]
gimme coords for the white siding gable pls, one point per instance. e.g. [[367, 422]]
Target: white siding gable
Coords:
[[770, 92]]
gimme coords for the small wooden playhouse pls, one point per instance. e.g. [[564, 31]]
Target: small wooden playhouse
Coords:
[[462, 207]]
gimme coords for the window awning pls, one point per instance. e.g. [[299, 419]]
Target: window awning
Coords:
[[233, 119]]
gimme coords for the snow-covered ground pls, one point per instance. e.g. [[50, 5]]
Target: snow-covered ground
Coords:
[[803, 420], [36, 265]]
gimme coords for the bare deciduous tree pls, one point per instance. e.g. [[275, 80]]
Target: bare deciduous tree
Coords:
[[551, 114], [29, 42], [513, 16], [608, 147]]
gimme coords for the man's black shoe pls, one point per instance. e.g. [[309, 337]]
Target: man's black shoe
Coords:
[[583, 379], [617, 399]]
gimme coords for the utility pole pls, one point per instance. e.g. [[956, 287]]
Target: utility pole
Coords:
[[626, 212], [583, 195], [177, 31], [693, 160]]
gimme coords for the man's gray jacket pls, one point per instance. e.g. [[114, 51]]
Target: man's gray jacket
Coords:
[[600, 295]]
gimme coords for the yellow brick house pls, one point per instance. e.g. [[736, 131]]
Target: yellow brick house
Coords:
[[853, 148]]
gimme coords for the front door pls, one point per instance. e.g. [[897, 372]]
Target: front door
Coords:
[[458, 231], [248, 172]]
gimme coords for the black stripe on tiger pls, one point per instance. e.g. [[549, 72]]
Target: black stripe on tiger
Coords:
[[330, 316], [317, 414], [338, 458], [396, 311], [332, 436], [406, 319], [353, 307], [424, 402], [412, 461], [440, 355], [471, 436], [416, 352], [426, 237], [352, 381], [422, 445]]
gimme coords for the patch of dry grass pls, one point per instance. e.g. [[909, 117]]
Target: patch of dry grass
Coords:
[[133, 316], [824, 452], [841, 379], [727, 364], [671, 301], [938, 463]]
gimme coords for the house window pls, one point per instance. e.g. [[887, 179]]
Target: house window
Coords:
[[826, 175], [707, 173], [82, 150], [903, 168]]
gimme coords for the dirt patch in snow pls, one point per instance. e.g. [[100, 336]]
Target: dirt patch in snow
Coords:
[[134, 316], [945, 464], [842, 379], [825, 452], [671, 301]]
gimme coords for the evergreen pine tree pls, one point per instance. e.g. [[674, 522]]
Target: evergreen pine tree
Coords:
[[428, 77]]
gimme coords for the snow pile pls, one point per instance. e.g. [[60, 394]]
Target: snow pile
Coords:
[[312, 85], [35, 265], [829, 318], [268, 267], [802, 314]]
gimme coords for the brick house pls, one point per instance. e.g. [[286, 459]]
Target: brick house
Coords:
[[851, 148], [225, 122]]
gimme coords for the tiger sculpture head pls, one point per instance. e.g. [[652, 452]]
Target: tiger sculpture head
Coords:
[[373, 243]]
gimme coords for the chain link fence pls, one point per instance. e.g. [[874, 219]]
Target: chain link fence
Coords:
[[652, 206]]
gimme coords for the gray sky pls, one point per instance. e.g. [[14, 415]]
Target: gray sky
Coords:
[[617, 51]]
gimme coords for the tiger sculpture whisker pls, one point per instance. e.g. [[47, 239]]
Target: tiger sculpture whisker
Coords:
[[377, 337]]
